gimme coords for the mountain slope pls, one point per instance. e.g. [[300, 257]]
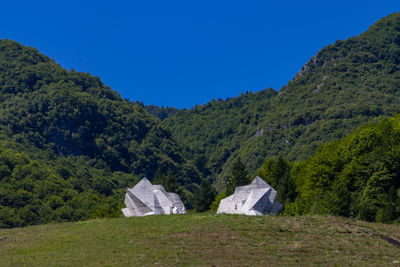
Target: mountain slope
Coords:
[[357, 176], [73, 113], [343, 86], [83, 136]]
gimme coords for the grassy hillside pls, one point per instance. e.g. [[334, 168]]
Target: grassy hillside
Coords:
[[343, 86], [203, 240]]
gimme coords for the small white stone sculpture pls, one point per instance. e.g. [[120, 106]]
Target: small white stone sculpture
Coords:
[[147, 199], [257, 198]]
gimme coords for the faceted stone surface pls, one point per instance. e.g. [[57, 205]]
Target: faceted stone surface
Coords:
[[257, 198], [147, 199]]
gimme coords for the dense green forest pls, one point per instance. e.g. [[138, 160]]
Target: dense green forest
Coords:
[[358, 176], [70, 145], [343, 86], [67, 189], [68, 139]]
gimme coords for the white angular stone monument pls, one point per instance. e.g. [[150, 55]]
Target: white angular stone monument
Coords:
[[147, 199], [257, 198]]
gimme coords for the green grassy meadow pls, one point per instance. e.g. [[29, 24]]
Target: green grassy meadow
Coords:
[[202, 239]]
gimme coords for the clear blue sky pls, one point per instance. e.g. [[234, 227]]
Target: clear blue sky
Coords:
[[183, 53]]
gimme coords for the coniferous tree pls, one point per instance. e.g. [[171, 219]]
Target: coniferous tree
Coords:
[[169, 181], [159, 177], [239, 177], [276, 172], [170, 184], [204, 196]]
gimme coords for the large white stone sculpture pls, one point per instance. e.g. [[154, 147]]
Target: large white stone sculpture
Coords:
[[147, 199], [257, 198]]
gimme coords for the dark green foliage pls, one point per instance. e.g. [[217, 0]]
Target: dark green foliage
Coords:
[[343, 86], [69, 145], [277, 173], [171, 185], [239, 177], [204, 196], [161, 112], [168, 181], [32, 192], [74, 114], [88, 143], [159, 177], [215, 204], [358, 176]]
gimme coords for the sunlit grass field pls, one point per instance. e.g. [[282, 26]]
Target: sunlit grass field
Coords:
[[203, 239]]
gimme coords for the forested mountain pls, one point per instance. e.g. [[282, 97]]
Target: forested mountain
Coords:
[[358, 176], [161, 112], [70, 145], [65, 136], [343, 86]]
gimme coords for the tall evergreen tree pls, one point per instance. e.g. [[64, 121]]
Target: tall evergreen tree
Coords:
[[276, 172], [170, 183], [239, 177], [159, 177], [204, 196]]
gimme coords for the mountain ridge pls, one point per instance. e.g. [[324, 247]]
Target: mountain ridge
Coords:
[[67, 138], [70, 145], [343, 86]]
